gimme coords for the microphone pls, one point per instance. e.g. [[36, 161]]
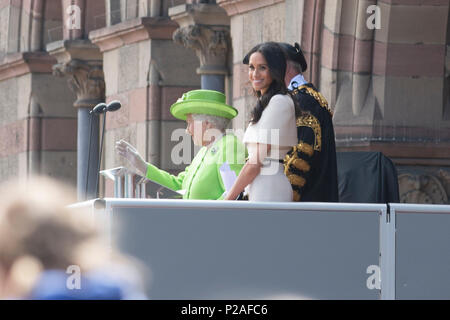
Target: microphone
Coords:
[[99, 108], [113, 106], [102, 107]]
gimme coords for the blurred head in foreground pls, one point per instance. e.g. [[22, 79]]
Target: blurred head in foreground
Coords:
[[50, 251]]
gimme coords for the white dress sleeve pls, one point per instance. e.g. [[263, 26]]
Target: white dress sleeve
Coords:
[[277, 124]]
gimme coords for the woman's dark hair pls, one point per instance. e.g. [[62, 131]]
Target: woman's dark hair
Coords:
[[276, 61]]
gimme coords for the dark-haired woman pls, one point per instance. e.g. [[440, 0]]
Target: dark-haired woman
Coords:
[[272, 130]]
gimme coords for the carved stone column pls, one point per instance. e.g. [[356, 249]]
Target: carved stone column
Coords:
[[82, 63], [85, 80], [205, 28]]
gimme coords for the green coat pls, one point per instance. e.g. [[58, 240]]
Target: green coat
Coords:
[[202, 179]]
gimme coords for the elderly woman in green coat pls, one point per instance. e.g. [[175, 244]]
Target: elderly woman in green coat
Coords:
[[207, 117]]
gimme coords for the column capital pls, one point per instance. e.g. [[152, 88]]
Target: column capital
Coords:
[[205, 28], [82, 62], [211, 46]]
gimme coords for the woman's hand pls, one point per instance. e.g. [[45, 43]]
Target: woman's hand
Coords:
[[130, 153], [258, 152], [248, 173]]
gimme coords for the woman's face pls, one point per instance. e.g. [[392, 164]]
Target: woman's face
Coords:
[[196, 129], [258, 72], [202, 132]]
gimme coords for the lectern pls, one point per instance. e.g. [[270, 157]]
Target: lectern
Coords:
[[129, 184]]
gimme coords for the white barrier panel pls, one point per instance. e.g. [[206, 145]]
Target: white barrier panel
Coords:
[[243, 250], [422, 251]]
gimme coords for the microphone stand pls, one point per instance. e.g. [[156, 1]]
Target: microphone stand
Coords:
[[101, 107], [89, 157], [100, 156]]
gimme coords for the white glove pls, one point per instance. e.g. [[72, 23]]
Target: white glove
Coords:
[[130, 153]]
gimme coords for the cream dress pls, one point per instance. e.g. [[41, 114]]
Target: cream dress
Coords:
[[276, 127]]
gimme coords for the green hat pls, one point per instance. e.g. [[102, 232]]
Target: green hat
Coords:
[[202, 102]]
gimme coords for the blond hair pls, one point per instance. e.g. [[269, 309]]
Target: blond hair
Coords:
[[35, 221], [38, 232]]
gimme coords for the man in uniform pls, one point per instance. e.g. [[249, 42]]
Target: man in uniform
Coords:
[[311, 165]]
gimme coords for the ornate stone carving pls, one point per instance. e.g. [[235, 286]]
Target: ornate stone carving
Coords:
[[422, 188], [86, 80], [210, 45], [444, 177], [82, 62], [205, 28]]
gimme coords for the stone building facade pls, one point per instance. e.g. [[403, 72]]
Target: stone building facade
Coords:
[[383, 65]]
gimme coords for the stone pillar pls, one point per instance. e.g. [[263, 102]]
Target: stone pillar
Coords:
[[82, 63], [37, 122], [311, 31], [205, 28], [387, 88], [147, 72], [35, 125]]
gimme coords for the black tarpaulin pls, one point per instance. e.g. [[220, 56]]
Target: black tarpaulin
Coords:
[[366, 177]]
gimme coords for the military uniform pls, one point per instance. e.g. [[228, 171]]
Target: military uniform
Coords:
[[311, 165]]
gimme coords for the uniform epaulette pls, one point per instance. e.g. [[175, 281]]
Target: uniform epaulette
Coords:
[[316, 95], [308, 120]]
